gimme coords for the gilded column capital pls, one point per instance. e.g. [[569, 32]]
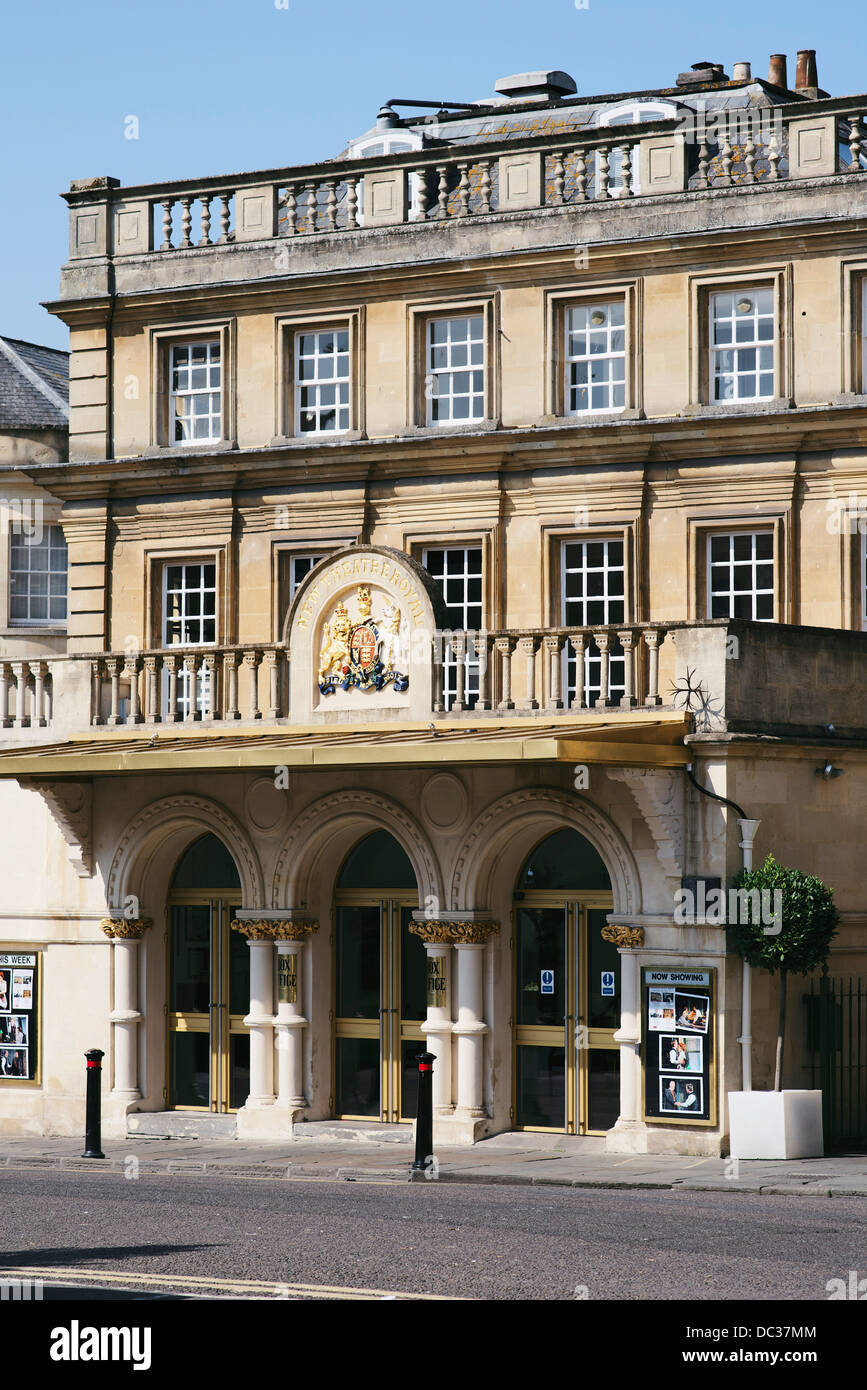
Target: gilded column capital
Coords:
[[628, 938], [454, 931], [275, 929], [124, 928]]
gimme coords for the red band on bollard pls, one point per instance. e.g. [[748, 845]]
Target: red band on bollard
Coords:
[[423, 1066], [98, 1065]]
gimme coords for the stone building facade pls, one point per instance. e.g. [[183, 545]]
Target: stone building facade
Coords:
[[444, 522]]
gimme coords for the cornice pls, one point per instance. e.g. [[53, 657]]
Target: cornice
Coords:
[[694, 439]]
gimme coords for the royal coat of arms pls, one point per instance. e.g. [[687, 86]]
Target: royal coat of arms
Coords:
[[362, 651]]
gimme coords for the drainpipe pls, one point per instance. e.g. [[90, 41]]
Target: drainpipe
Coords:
[[748, 835]]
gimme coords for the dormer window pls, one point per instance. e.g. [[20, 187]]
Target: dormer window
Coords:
[[379, 144], [631, 113]]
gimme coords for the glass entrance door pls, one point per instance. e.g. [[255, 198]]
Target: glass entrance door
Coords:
[[567, 1006], [209, 996], [379, 1006]]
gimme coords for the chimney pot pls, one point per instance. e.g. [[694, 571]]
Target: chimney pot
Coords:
[[806, 77], [741, 72], [777, 71]]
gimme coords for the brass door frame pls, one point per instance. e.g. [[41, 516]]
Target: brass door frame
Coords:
[[393, 1030], [575, 907], [219, 1024]]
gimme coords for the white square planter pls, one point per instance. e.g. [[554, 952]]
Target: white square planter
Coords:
[[775, 1124]]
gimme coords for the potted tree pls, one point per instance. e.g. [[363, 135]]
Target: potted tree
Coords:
[[789, 934]]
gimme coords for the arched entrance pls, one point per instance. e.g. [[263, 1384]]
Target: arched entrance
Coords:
[[379, 984], [567, 991], [208, 983]]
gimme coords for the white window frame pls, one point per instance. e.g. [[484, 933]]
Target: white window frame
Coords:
[[433, 374], [318, 331], [732, 593], [630, 113], [592, 655], [29, 543], [589, 306], [214, 417], [471, 660], [755, 344], [301, 555], [204, 695]]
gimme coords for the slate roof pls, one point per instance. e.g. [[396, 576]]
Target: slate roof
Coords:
[[34, 386]]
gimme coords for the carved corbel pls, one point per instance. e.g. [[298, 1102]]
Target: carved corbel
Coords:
[[71, 805]]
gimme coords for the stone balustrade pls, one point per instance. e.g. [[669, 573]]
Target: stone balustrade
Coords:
[[693, 152], [185, 685], [25, 694]]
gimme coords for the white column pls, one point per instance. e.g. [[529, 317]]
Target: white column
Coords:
[[260, 1021], [628, 1035], [437, 1027], [290, 1025], [125, 1016], [470, 1028]]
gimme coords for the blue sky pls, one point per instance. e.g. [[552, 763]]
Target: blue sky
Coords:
[[220, 86]]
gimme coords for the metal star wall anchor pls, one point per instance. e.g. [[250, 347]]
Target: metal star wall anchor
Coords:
[[696, 697]]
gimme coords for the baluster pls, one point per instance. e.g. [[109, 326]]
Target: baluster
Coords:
[[167, 206], [5, 671], [186, 223], [559, 179], [443, 195], [420, 215], [651, 641], [311, 208], [485, 185], [464, 191], [152, 701], [230, 679], [855, 145], [209, 687], [580, 177], [554, 648], [750, 159], [627, 642], [225, 198], [251, 661], [95, 693], [291, 210], [458, 644], [205, 238], [112, 667], [351, 201], [20, 671], [504, 646], [602, 171], [272, 660], [528, 647], [480, 649], [726, 176], [626, 171], [577, 641], [773, 158], [439, 672], [602, 640], [38, 670], [191, 668], [703, 161], [331, 206], [170, 664], [130, 671]]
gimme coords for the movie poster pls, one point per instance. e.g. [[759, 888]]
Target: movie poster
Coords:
[[19, 1018], [678, 1045]]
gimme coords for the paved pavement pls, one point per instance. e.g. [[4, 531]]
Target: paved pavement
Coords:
[[520, 1159]]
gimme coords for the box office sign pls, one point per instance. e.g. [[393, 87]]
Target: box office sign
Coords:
[[437, 982], [287, 978], [678, 1046], [19, 1016]]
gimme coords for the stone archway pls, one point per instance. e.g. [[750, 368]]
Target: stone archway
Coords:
[[510, 827]]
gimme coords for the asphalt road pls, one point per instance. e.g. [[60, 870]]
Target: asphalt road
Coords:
[[235, 1237]]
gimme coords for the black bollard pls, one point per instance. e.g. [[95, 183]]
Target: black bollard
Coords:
[[93, 1119], [424, 1123]]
